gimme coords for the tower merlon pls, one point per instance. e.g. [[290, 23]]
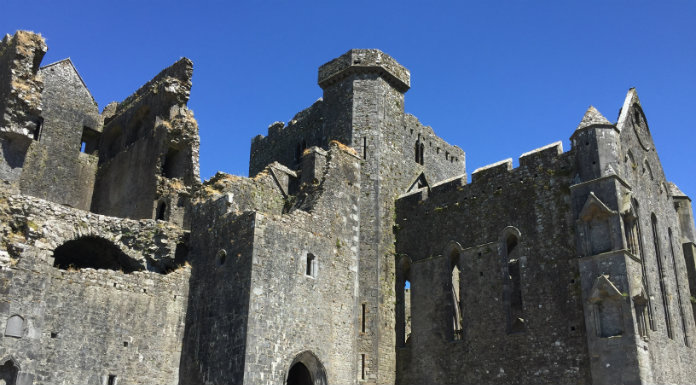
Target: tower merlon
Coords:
[[365, 61]]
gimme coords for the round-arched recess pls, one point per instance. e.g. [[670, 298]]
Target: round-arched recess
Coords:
[[8, 372], [306, 369], [93, 252]]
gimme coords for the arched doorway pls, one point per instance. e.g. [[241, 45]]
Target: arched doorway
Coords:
[[8, 373], [306, 369], [299, 375]]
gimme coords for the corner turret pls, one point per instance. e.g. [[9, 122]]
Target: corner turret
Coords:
[[596, 141]]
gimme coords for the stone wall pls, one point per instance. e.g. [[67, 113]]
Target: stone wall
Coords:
[[20, 99], [469, 226], [148, 153], [57, 167], [82, 325], [637, 251]]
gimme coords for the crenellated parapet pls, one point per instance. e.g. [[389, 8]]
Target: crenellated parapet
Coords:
[[358, 61]]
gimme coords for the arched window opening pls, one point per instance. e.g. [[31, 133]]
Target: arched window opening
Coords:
[[676, 284], [161, 211], [403, 301], [174, 164], [89, 143], [15, 326], [515, 316], [457, 328], [663, 288], [8, 373], [311, 265], [93, 252], [635, 245]]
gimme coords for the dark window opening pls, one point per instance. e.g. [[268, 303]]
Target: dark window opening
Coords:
[[38, 126], [663, 288], [174, 164], [513, 287], [113, 380], [420, 150], [181, 254], [311, 267], [93, 252], [161, 211], [8, 373], [363, 321], [125, 344], [54, 335], [89, 143], [403, 302]]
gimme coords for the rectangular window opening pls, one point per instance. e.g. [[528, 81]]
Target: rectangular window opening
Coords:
[[113, 380], [364, 312], [362, 366], [365, 147]]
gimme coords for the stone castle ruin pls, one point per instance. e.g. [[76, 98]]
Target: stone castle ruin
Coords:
[[355, 253]]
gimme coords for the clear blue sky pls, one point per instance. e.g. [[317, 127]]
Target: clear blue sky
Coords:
[[497, 78]]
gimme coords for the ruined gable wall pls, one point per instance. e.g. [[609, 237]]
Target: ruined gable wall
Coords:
[[76, 321], [20, 83], [55, 168], [20, 99], [148, 151], [535, 199]]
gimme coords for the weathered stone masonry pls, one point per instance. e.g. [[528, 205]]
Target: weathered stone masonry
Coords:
[[355, 253]]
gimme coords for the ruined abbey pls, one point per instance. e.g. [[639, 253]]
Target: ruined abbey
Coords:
[[356, 252]]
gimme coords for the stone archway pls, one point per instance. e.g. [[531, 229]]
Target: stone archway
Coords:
[[8, 373], [306, 369]]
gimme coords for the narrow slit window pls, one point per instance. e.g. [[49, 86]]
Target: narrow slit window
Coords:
[[363, 320], [362, 366], [365, 147], [515, 315]]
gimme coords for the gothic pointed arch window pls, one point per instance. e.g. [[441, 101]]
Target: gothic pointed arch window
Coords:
[[453, 253], [676, 285], [661, 273], [512, 288], [403, 301]]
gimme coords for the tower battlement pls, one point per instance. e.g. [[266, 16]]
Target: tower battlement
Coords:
[[365, 61]]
